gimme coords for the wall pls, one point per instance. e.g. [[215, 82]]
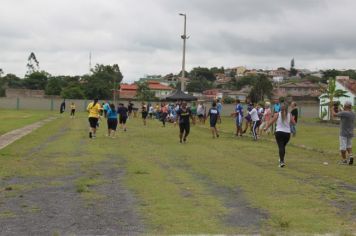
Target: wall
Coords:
[[308, 110]]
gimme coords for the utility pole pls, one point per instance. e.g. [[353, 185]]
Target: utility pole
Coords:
[[184, 37]]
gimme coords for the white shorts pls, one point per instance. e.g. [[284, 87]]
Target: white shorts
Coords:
[[345, 142]]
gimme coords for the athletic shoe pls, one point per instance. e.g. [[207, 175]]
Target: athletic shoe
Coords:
[[281, 165], [343, 162], [351, 160], [184, 140], [90, 135]]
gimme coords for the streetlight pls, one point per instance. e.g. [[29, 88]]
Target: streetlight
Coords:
[[184, 37]]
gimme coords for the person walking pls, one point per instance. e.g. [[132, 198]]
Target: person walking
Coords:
[[283, 119], [93, 109], [347, 121], [255, 120], [111, 120], [238, 114], [294, 112], [201, 113], [183, 115], [214, 117], [72, 110], [62, 107], [267, 114], [164, 113], [144, 113], [219, 106]]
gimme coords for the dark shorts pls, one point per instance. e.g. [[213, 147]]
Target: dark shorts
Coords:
[[213, 123], [72, 112], [112, 124], [122, 119], [93, 122], [201, 116], [248, 118], [184, 127], [144, 115]]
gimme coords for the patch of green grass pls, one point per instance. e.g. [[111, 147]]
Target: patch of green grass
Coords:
[[13, 119], [174, 183], [7, 214]]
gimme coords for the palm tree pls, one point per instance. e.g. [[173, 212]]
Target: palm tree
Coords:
[[331, 92]]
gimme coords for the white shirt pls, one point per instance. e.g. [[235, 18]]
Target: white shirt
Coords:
[[283, 126], [254, 115]]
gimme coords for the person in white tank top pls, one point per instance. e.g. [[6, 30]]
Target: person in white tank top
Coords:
[[283, 120]]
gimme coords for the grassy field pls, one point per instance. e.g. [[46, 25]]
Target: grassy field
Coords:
[[226, 185], [13, 119]]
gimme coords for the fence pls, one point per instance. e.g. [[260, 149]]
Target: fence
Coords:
[[307, 110]]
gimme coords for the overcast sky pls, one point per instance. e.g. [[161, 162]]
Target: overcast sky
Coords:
[[143, 36]]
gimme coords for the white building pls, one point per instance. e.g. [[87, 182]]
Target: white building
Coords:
[[343, 83]]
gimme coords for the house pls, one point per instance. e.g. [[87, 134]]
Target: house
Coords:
[[343, 83], [298, 90], [129, 91], [280, 72]]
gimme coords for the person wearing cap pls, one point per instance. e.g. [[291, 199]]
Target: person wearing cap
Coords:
[[347, 120]]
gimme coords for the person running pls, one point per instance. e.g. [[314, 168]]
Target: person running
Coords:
[[347, 121], [72, 110], [255, 120], [150, 112], [238, 114], [214, 117], [201, 113], [283, 119], [294, 112], [112, 120], [183, 115], [144, 113], [93, 109], [248, 120], [62, 107], [266, 118], [122, 111], [130, 106], [193, 109], [164, 113], [106, 107]]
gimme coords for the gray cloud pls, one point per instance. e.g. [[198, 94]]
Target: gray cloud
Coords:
[[143, 37]]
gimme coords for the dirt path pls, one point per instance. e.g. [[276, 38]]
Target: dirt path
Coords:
[[54, 206], [12, 136]]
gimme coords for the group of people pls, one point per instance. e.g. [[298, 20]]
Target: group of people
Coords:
[[259, 118], [110, 113]]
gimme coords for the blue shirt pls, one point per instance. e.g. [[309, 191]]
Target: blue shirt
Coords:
[[239, 110], [219, 107], [277, 108], [112, 114], [106, 107]]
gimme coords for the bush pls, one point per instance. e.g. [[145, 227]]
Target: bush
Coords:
[[228, 100]]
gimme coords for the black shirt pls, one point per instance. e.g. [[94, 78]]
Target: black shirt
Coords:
[[184, 115], [294, 113], [122, 111], [214, 114]]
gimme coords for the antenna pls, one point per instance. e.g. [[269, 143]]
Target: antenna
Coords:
[[89, 62]]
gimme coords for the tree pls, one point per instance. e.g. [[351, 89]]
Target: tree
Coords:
[[262, 87], [32, 64], [36, 80], [143, 92], [216, 70], [73, 92], [1, 72], [202, 72], [199, 85], [12, 81], [54, 86], [103, 80], [331, 92]]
